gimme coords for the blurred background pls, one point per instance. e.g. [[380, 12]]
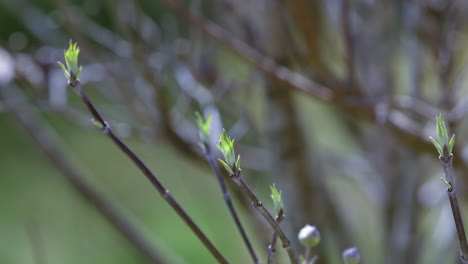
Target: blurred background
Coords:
[[333, 101]]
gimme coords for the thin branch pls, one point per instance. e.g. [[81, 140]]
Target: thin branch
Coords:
[[264, 212], [349, 43], [209, 157], [271, 247], [147, 172], [27, 117], [446, 162]]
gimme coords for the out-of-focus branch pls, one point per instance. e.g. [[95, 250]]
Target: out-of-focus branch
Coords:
[[266, 64], [359, 107], [46, 140], [166, 125], [308, 17], [348, 43]]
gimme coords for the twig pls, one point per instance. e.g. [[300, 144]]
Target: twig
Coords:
[[349, 44], [227, 197], [446, 162], [271, 221], [146, 171], [27, 117], [271, 247]]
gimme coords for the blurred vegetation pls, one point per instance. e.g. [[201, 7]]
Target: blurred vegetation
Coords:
[[333, 101]]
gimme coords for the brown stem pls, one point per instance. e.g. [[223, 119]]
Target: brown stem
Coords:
[[227, 198], [271, 221], [271, 247], [447, 166], [149, 175]]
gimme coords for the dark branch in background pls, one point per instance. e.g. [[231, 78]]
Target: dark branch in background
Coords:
[[146, 171], [349, 44], [271, 247], [27, 117], [308, 16], [359, 107], [266, 64], [209, 157]]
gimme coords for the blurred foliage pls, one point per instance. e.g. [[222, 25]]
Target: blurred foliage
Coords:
[[334, 101]]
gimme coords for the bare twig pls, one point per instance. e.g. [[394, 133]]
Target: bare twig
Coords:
[[45, 139], [209, 157], [446, 162], [268, 217], [147, 172], [271, 247]]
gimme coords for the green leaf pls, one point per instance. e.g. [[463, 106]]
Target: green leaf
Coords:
[[277, 198], [204, 127], [229, 169], [442, 136], [97, 123], [437, 146], [450, 144], [447, 183], [226, 146], [238, 162], [71, 69]]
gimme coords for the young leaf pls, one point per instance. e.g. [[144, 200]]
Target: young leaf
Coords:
[[450, 144], [447, 183], [238, 162], [204, 127], [226, 146], [277, 198], [437, 146], [71, 69], [441, 131], [229, 169]]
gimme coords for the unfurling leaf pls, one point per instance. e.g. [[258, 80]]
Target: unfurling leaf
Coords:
[[437, 146], [226, 146], [442, 141], [277, 198], [442, 136], [204, 127], [229, 169], [71, 69], [450, 144]]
